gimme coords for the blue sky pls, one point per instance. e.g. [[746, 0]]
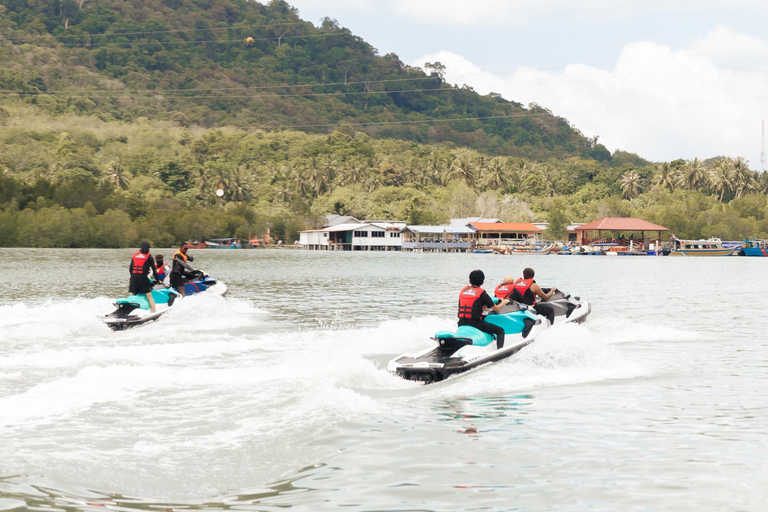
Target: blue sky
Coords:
[[663, 79]]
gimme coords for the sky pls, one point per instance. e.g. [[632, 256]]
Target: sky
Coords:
[[663, 79]]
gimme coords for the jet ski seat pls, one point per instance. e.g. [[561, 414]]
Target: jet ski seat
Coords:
[[464, 335]]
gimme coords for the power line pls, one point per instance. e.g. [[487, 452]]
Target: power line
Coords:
[[519, 115], [91, 93]]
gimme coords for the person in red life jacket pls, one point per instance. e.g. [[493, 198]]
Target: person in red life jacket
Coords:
[[472, 300], [163, 269], [504, 290], [180, 265], [141, 264], [526, 290]]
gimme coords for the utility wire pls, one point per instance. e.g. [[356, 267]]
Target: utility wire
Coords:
[[91, 93]]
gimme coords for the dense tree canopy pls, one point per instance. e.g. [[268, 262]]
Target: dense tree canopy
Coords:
[[74, 181]]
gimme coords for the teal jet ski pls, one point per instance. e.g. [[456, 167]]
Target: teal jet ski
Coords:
[[466, 347]]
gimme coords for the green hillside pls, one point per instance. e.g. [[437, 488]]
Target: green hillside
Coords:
[[241, 63]]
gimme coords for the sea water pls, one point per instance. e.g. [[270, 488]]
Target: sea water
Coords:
[[277, 395]]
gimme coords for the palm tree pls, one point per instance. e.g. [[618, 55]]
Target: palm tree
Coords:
[[316, 177], [743, 178], [276, 172], [631, 184], [693, 175], [721, 177], [202, 182], [284, 193], [497, 173], [436, 168], [548, 175], [481, 165], [118, 176], [353, 173], [299, 177], [463, 167], [329, 167], [665, 176], [240, 183]]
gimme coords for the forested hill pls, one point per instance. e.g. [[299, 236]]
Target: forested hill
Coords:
[[250, 65]]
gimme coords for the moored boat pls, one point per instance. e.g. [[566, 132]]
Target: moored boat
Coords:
[[710, 247], [223, 243], [753, 247], [533, 250]]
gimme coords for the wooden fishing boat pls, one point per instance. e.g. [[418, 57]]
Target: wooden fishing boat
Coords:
[[532, 250]]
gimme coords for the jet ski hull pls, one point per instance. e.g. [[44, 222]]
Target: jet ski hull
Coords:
[[468, 348]]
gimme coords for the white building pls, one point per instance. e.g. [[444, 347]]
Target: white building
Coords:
[[353, 235]]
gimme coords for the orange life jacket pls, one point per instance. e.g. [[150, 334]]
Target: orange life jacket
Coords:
[[467, 298], [523, 286], [138, 260], [503, 290]]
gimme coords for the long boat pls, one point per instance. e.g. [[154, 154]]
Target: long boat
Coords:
[[223, 243], [532, 250], [710, 247]]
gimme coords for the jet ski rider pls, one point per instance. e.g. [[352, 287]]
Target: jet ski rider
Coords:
[[163, 269], [141, 263], [472, 300], [180, 264], [525, 291]]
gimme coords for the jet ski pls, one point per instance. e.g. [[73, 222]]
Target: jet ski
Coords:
[[467, 347], [134, 310], [566, 307]]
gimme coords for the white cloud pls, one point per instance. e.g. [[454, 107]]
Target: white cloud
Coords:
[[486, 13], [661, 103]]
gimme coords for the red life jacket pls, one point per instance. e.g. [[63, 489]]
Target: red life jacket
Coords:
[[523, 286], [161, 270], [467, 298], [503, 290], [138, 260]]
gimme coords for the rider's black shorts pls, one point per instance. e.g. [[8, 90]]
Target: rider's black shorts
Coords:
[[139, 284], [176, 280]]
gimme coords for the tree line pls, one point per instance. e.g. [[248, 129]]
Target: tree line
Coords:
[[77, 181]]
